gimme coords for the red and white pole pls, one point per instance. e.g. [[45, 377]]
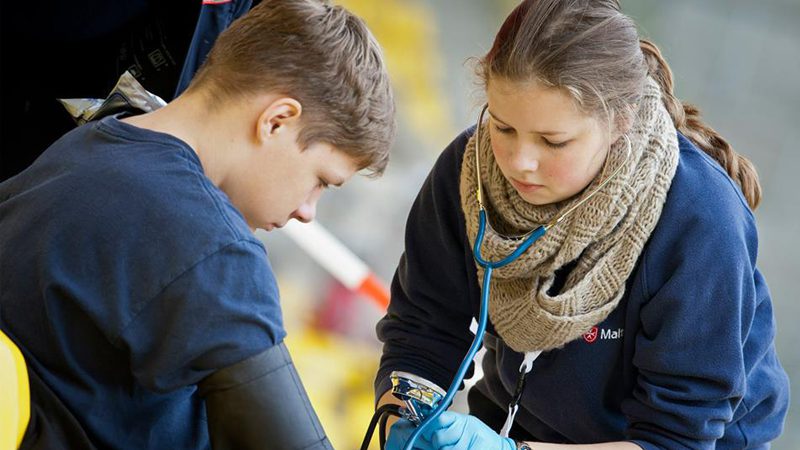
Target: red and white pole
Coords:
[[338, 260]]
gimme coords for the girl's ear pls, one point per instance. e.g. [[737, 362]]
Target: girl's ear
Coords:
[[624, 121]]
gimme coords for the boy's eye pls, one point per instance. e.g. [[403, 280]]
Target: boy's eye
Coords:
[[555, 144]]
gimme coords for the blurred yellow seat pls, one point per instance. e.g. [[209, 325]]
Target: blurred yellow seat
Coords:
[[14, 395]]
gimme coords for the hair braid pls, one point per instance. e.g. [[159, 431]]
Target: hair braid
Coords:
[[688, 121]]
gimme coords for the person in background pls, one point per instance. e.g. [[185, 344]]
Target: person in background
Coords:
[[130, 278], [638, 321], [51, 49]]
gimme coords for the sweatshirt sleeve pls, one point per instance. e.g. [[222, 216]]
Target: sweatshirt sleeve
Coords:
[[426, 329], [707, 330]]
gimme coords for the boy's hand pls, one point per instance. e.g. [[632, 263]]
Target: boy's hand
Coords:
[[451, 430]]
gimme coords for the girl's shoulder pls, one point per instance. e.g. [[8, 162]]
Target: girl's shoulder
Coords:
[[701, 189], [705, 219]]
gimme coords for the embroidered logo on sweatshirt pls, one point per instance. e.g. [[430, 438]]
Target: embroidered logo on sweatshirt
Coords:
[[603, 334], [591, 335]]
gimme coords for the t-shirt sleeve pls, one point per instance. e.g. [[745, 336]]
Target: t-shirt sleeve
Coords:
[[220, 311], [426, 329]]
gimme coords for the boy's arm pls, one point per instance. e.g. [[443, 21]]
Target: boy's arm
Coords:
[[261, 403]]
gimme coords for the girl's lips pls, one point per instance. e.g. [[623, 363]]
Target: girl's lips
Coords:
[[525, 187]]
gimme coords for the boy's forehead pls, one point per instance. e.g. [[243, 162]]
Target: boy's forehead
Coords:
[[339, 164]]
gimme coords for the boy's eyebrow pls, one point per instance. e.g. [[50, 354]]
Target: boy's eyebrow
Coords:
[[537, 132], [334, 181]]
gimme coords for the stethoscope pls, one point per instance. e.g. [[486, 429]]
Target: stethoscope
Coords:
[[435, 405]]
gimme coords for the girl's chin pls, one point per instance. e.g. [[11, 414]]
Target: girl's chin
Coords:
[[537, 198], [541, 198]]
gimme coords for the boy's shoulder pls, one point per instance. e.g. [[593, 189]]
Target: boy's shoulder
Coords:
[[117, 179], [160, 179]]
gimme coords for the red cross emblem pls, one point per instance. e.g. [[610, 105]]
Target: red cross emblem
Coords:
[[591, 335]]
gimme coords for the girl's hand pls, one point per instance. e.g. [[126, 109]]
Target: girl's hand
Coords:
[[450, 430]]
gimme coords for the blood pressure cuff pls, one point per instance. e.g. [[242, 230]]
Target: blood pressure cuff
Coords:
[[261, 403]]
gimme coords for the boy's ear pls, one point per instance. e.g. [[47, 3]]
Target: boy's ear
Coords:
[[279, 114]]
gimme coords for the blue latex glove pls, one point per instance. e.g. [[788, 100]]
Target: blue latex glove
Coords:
[[399, 434], [451, 430]]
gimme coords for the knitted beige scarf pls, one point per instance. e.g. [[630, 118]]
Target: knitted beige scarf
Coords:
[[605, 235]]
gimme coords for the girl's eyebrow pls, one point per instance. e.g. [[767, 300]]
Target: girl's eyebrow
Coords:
[[550, 133]]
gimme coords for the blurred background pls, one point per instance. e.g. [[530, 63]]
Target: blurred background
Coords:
[[738, 60]]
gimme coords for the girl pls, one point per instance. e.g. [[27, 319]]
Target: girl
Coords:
[[639, 314]]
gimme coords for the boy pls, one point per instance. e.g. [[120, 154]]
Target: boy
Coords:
[[129, 276]]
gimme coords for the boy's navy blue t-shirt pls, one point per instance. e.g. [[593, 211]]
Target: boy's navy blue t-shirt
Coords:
[[126, 277]]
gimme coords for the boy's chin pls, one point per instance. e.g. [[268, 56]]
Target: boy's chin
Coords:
[[272, 226]]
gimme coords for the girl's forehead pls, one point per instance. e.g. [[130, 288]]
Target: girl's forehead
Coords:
[[532, 106]]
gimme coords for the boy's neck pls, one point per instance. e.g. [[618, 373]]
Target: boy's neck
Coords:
[[209, 134]]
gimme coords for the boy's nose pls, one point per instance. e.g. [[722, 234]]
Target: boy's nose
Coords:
[[306, 212]]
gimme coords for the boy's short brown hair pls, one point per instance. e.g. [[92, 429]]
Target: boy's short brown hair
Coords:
[[323, 56]]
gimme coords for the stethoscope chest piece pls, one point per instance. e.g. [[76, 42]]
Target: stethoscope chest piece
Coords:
[[419, 395]]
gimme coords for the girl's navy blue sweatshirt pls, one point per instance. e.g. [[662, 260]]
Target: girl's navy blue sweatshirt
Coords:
[[687, 359]]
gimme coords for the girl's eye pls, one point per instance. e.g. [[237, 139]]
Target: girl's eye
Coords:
[[555, 144], [503, 130]]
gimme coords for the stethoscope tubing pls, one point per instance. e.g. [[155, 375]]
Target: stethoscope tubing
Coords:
[[462, 369], [521, 248]]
